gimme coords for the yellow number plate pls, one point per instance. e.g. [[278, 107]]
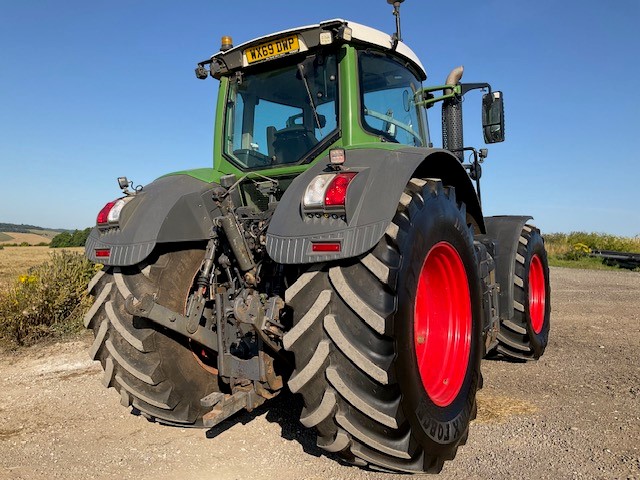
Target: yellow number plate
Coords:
[[276, 48]]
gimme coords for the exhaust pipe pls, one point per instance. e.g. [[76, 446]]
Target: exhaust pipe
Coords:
[[452, 137]]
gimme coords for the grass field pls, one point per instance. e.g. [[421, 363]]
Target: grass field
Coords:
[[589, 263], [30, 238], [15, 261]]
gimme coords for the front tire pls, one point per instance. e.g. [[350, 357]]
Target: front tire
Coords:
[[153, 370], [387, 346], [526, 335]]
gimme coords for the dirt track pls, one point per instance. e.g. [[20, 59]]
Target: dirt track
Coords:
[[573, 414]]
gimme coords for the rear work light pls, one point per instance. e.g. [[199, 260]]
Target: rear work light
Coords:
[[328, 190], [337, 156], [110, 213]]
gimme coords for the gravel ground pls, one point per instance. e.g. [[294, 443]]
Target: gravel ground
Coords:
[[573, 414]]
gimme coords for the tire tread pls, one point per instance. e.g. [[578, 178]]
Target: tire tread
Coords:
[[348, 383], [515, 340], [153, 371]]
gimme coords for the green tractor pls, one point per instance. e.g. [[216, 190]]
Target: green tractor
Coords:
[[331, 248]]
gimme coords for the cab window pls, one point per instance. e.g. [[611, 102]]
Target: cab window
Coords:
[[279, 116], [387, 95]]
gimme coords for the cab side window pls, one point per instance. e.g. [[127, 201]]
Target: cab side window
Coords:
[[387, 91]]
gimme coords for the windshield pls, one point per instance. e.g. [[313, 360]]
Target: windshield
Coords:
[[278, 117], [387, 89]]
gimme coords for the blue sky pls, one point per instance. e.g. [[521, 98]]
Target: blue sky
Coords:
[[91, 91]]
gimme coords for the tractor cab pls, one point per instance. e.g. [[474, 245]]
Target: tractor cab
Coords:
[[286, 98]]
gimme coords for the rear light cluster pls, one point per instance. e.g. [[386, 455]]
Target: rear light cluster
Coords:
[[326, 196], [328, 191], [110, 214]]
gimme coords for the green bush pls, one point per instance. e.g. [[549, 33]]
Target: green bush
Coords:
[[574, 249], [565, 243], [65, 239], [577, 252], [601, 241], [48, 301]]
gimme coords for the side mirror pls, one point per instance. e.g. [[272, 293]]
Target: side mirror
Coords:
[[493, 117]]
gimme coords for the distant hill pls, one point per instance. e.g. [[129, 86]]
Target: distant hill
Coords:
[[31, 234], [24, 228]]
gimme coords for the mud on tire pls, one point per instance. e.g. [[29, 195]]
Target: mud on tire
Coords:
[[355, 343], [153, 370]]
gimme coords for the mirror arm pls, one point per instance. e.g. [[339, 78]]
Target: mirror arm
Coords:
[[430, 100], [467, 87], [458, 90]]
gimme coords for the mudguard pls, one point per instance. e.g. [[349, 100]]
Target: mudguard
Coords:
[[371, 204], [176, 208], [504, 232]]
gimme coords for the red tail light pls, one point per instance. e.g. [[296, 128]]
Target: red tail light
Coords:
[[110, 213], [103, 216], [337, 190]]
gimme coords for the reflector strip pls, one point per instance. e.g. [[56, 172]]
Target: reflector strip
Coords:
[[103, 252], [326, 247]]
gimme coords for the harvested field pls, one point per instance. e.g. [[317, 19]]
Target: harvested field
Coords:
[[16, 261], [30, 238], [46, 233]]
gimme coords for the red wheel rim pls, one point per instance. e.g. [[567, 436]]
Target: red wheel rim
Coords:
[[442, 324], [537, 294]]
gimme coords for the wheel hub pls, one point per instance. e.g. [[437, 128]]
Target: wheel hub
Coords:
[[442, 323], [537, 294]]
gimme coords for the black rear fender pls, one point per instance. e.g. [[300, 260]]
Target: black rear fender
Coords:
[[504, 232], [372, 201], [447, 168], [176, 208]]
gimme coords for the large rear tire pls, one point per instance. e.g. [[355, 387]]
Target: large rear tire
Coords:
[[526, 335], [153, 370], [387, 346]]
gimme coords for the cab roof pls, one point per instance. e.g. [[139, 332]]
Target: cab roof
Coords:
[[224, 62]]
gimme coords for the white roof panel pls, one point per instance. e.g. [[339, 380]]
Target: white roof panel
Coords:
[[360, 33]]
